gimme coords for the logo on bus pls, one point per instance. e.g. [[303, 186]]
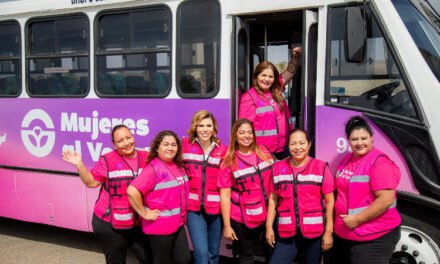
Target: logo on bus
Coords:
[[38, 140]]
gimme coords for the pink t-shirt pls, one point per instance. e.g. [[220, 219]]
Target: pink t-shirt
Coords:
[[146, 181], [382, 177], [100, 174], [226, 180]]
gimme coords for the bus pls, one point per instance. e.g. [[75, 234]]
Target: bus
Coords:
[[72, 69]]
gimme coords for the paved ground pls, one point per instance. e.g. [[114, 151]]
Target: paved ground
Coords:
[[23, 243]]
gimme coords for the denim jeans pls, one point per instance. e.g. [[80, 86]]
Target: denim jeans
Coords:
[[205, 231], [286, 250]]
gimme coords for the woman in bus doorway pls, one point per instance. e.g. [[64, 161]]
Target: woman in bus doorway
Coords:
[[244, 180], [202, 153], [265, 106], [159, 196], [302, 197], [114, 222], [366, 218]]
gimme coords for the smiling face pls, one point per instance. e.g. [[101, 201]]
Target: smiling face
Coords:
[[205, 130], [123, 141], [167, 149], [244, 137], [299, 146], [265, 79], [361, 142]]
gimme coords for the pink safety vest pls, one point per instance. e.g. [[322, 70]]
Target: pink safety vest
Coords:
[[301, 202], [120, 175], [266, 124], [169, 196], [203, 176], [251, 182], [360, 196]]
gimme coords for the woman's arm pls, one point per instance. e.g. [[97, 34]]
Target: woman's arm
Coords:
[[135, 198], [271, 214], [293, 65], [84, 174], [327, 239], [383, 200], [225, 205]]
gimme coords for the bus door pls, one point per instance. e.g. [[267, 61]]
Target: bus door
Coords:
[[241, 70], [308, 72]]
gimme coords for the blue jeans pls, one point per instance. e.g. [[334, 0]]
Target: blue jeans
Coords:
[[286, 250], [205, 231]]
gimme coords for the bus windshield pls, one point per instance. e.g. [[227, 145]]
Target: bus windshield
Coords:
[[422, 19]]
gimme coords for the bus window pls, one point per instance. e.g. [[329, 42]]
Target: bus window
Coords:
[[10, 66], [133, 53], [376, 83], [198, 53], [58, 56]]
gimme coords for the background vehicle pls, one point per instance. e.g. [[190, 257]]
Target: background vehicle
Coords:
[[69, 70]]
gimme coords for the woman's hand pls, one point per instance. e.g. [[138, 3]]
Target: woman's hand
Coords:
[[152, 215], [270, 237], [229, 233], [72, 157], [327, 241], [350, 221]]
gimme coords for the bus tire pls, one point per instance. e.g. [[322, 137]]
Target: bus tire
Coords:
[[419, 242]]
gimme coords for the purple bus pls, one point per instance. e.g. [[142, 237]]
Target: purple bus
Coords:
[[71, 70]]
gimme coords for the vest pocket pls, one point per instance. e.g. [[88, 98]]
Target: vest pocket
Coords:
[[122, 216], [312, 223], [253, 210], [286, 225]]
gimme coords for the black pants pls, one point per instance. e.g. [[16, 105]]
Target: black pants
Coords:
[[115, 242], [377, 251], [248, 240], [170, 248]]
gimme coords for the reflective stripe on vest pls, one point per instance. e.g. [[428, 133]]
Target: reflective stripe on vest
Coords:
[[213, 198], [360, 178], [313, 220], [310, 178], [265, 109], [286, 220], [360, 209], [266, 133], [122, 173], [281, 178], [123, 217], [252, 170], [198, 157], [169, 184], [170, 212], [256, 211]]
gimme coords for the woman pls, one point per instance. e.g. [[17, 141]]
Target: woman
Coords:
[[302, 195], [366, 218], [114, 222], [265, 106], [159, 196], [244, 184], [202, 153]]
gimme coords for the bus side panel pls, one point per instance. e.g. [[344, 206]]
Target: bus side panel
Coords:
[[44, 198], [332, 144]]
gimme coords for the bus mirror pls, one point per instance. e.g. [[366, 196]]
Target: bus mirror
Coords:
[[356, 32]]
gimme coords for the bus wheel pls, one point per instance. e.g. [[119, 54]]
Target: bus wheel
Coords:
[[418, 244]]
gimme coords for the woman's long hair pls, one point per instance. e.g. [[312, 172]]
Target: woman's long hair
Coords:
[[197, 118], [229, 159], [154, 146], [276, 88]]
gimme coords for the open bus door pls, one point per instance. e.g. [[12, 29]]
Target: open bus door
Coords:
[[241, 70], [308, 89]]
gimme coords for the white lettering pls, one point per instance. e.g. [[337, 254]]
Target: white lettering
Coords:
[[95, 125], [69, 124], [73, 148], [94, 152], [342, 145], [3, 139]]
